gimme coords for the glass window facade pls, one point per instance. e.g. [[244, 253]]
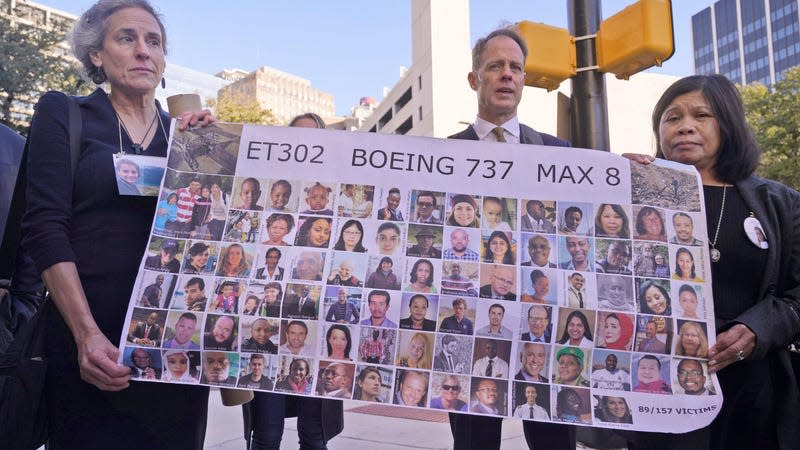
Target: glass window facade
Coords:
[[763, 23], [785, 35], [703, 40]]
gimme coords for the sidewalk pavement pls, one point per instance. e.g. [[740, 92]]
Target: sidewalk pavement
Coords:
[[374, 427]]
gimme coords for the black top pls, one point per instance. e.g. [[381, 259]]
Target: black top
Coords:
[[738, 273], [105, 234], [92, 225]]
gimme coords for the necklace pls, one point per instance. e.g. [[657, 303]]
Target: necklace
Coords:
[[135, 148], [715, 254]]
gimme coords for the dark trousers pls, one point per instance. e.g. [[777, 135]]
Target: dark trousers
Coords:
[[266, 418], [479, 433]]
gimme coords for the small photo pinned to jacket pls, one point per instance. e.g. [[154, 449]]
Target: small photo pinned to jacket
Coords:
[[138, 175]]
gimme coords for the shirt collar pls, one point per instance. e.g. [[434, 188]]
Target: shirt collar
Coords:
[[484, 129]]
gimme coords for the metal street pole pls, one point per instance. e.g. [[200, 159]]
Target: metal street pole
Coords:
[[589, 117]]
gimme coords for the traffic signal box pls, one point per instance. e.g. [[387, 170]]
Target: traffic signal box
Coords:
[[551, 54], [628, 42], [635, 38]]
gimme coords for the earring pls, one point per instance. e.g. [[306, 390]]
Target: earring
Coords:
[[163, 83], [99, 76]]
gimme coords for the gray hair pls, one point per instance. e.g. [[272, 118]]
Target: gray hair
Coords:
[[90, 29], [480, 45]]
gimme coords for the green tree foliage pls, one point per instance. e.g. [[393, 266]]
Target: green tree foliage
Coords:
[[774, 116], [238, 109], [31, 63]]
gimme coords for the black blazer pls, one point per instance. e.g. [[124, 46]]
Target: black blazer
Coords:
[[486, 292], [549, 435], [775, 318]]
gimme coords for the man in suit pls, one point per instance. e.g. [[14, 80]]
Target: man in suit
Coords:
[[446, 359], [539, 251], [141, 366], [534, 220], [300, 306], [501, 284], [151, 297], [498, 77], [651, 343], [486, 396], [336, 381], [576, 293], [147, 333], [538, 324], [533, 358]]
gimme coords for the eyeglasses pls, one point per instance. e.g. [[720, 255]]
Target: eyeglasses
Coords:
[[690, 373], [448, 387], [425, 204], [505, 281]]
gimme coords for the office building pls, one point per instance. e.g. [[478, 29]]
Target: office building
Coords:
[[748, 41]]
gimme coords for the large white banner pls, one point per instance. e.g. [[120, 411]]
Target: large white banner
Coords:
[[524, 281]]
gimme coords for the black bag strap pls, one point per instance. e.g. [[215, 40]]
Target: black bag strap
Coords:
[[13, 231], [75, 134]]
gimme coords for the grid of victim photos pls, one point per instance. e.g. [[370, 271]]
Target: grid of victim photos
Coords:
[[503, 306]]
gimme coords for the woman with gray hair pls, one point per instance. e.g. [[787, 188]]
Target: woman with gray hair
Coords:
[[91, 402]]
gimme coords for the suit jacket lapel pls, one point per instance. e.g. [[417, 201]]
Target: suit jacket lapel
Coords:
[[528, 135], [469, 134]]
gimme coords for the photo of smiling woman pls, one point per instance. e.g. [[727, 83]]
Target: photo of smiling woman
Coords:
[[197, 259], [497, 249], [235, 262], [577, 330], [416, 350], [650, 225], [613, 409], [314, 232], [351, 237], [463, 212], [611, 221], [615, 331], [685, 268], [692, 339], [654, 298], [572, 405]]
